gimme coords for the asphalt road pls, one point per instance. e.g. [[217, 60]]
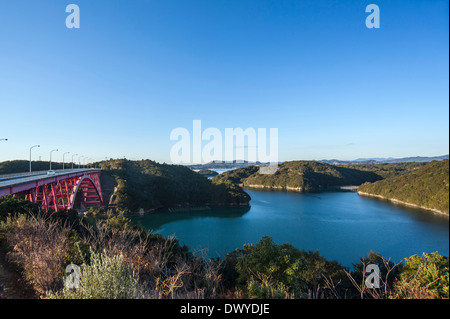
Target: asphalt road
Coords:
[[11, 181]]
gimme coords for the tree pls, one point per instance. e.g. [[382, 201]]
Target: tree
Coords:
[[267, 267], [13, 205], [431, 271], [106, 277]]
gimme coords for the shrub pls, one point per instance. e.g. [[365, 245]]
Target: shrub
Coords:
[[271, 266], [106, 277], [263, 288], [39, 247], [430, 271], [411, 289], [10, 205]]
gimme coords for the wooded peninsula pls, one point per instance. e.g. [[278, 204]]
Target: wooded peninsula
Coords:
[[425, 187]]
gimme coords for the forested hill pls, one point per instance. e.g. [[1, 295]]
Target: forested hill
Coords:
[[22, 166], [147, 185], [307, 176], [427, 186]]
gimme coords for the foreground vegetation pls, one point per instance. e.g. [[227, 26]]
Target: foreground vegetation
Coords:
[[119, 260], [427, 186]]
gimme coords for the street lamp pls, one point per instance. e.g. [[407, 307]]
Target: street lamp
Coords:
[[30, 154], [79, 161], [63, 158], [55, 150], [3, 139], [72, 159]]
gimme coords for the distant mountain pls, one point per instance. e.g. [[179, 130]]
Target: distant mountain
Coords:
[[224, 165], [361, 161], [417, 159], [340, 162], [378, 160]]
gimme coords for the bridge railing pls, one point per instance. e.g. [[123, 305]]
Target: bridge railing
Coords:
[[8, 176], [15, 175]]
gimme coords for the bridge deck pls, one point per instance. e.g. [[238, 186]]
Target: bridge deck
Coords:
[[22, 183]]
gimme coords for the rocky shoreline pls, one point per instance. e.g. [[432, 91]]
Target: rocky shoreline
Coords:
[[396, 201], [293, 189]]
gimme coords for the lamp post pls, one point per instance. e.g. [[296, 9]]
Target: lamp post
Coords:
[[79, 161], [55, 150], [3, 139], [30, 154], [72, 159], [63, 158]]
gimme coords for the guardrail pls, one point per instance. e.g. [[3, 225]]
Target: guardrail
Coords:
[[8, 176], [15, 175]]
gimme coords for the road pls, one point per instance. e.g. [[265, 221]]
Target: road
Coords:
[[6, 181]]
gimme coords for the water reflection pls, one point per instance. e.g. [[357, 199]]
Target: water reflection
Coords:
[[418, 214], [155, 221], [342, 226]]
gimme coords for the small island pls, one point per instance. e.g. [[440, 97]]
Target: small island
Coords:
[[312, 176], [208, 173]]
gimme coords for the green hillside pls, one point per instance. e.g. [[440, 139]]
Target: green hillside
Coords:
[[22, 166], [146, 184], [385, 170], [426, 186], [307, 176]]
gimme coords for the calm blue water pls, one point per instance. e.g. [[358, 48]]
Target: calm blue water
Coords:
[[342, 226]]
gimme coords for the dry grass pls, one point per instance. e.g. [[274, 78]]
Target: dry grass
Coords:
[[42, 247], [411, 289], [38, 247], [166, 274]]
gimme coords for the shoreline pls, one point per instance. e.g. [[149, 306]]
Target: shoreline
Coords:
[[396, 201], [287, 188], [186, 208], [345, 188]]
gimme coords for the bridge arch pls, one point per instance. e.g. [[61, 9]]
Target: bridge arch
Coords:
[[59, 191], [90, 190]]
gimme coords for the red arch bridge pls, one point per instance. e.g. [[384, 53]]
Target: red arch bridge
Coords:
[[57, 191]]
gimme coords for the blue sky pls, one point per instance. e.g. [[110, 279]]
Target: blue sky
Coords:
[[136, 70]]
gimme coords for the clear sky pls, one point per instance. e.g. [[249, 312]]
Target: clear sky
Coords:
[[135, 70]]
